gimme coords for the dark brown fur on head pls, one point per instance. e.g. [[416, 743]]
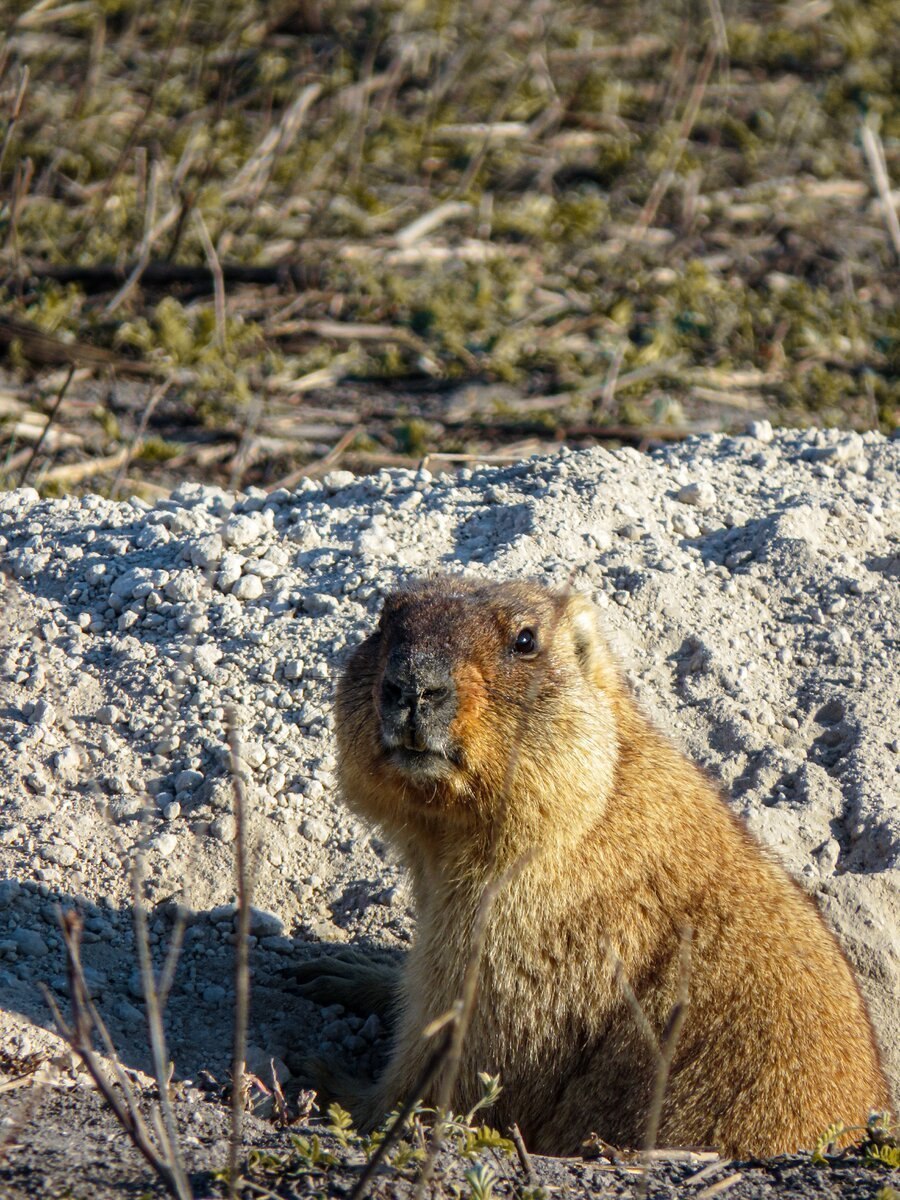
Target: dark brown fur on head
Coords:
[[462, 692]]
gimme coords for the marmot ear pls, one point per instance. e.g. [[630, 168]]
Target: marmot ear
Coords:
[[582, 619]]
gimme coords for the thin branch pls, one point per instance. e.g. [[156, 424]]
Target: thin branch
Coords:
[[668, 1046], [84, 1014], [146, 244], [664, 180], [531, 1178], [138, 438], [172, 1144], [60, 396], [215, 268], [874, 149], [241, 951], [14, 115]]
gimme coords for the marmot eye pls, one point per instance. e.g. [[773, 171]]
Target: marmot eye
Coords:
[[526, 642]]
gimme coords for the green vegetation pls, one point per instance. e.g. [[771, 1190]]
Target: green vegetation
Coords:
[[406, 1154], [877, 1143], [657, 215]]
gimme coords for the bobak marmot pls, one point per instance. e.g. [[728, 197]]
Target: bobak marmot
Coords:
[[483, 725]]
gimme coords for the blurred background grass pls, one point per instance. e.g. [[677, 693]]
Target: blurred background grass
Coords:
[[316, 232]]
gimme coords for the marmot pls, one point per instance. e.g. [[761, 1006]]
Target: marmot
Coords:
[[484, 722]]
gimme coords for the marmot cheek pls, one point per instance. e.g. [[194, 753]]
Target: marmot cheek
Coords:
[[470, 732]]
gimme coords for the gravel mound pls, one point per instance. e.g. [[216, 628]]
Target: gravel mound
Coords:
[[751, 585]]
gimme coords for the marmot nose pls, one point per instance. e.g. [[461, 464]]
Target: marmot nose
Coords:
[[417, 707]]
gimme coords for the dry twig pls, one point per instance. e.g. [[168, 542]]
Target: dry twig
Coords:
[[124, 1106], [874, 148], [241, 951], [60, 396]]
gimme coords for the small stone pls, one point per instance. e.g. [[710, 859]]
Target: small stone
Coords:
[[248, 587], [183, 587], [187, 781], [761, 430], [244, 529], [165, 843], [621, 597], [108, 714], [253, 754], [335, 480], [265, 924], [700, 495], [371, 1028], [29, 942], [60, 853], [43, 713], [128, 1014], [207, 551], [230, 569], [9, 892], [315, 830], [66, 763], [213, 993], [375, 543], [224, 828], [172, 811], [293, 668], [685, 524]]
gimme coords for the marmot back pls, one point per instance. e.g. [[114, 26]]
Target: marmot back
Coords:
[[481, 723]]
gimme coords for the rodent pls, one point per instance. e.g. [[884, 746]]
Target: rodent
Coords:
[[483, 722]]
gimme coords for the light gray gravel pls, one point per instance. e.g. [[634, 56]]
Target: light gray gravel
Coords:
[[750, 584]]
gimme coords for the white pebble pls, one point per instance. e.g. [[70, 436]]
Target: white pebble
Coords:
[[248, 587], [700, 495]]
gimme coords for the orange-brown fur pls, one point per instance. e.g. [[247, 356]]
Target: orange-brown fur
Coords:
[[631, 846]]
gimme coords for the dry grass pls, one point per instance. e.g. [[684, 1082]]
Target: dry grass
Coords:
[[650, 219]]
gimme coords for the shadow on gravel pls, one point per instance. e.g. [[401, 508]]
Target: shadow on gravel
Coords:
[[199, 1012]]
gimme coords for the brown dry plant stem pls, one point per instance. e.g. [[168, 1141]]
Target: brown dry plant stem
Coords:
[[874, 148], [122, 1102], [667, 175], [51, 417], [14, 115], [241, 952], [146, 246], [531, 1178], [215, 268], [166, 1130], [430, 1072], [667, 1046], [137, 440]]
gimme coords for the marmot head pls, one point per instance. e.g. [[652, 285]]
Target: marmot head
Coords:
[[470, 697]]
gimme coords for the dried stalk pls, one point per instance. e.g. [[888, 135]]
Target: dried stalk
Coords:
[[143, 257], [138, 438], [531, 1178], [14, 115], [60, 396], [84, 1018], [73, 473], [215, 268], [241, 953], [667, 1048], [168, 1129], [664, 180], [874, 148]]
